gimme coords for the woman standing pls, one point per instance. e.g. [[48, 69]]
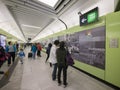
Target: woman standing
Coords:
[[11, 49], [62, 65]]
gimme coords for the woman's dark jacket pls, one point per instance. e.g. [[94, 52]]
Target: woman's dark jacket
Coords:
[[61, 56]]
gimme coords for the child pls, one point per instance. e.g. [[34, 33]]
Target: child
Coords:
[[21, 55]]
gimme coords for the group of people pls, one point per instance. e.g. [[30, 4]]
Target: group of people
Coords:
[[7, 53], [36, 47], [56, 54]]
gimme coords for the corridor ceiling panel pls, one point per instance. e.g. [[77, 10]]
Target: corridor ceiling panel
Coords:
[[30, 18], [49, 2], [34, 16]]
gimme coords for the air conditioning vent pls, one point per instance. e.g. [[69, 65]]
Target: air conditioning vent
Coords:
[[62, 5]]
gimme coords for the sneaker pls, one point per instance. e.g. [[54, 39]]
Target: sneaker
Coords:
[[59, 84], [65, 85], [53, 79]]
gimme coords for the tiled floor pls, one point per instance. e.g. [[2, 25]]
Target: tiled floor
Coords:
[[36, 75]]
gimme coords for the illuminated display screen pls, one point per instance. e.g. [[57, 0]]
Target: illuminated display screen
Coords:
[[89, 17], [2, 40]]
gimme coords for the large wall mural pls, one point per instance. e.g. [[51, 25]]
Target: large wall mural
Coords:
[[87, 46]]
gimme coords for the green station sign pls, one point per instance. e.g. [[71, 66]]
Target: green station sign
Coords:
[[89, 17]]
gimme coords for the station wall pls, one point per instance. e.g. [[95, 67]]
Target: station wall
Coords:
[[111, 73]]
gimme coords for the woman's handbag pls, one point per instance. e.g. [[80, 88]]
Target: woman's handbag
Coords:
[[69, 59]]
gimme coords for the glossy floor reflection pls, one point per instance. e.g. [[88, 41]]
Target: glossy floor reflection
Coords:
[[36, 75]]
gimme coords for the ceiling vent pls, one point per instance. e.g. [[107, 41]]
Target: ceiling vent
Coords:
[[63, 5]]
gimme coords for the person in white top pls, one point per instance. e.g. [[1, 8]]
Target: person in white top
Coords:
[[52, 58]]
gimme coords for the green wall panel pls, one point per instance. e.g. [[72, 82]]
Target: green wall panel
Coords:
[[112, 72], [90, 69]]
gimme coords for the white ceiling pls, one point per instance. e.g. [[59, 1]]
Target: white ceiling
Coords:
[[51, 3], [29, 14]]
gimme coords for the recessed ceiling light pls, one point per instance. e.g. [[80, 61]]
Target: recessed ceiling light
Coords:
[[49, 2], [30, 26]]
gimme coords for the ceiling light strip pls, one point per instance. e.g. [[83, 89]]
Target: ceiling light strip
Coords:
[[30, 26]]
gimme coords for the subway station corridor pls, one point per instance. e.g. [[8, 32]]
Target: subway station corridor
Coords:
[[90, 30], [36, 75]]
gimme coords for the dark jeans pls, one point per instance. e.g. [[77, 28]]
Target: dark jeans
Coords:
[[39, 53], [54, 71], [47, 57], [64, 68], [12, 54]]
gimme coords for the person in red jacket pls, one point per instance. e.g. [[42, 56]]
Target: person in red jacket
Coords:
[[39, 48]]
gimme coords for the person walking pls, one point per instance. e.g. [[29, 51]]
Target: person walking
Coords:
[[62, 65], [52, 58], [39, 48], [34, 49], [48, 52], [21, 55]]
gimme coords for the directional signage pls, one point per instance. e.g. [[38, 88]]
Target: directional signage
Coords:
[[89, 17]]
